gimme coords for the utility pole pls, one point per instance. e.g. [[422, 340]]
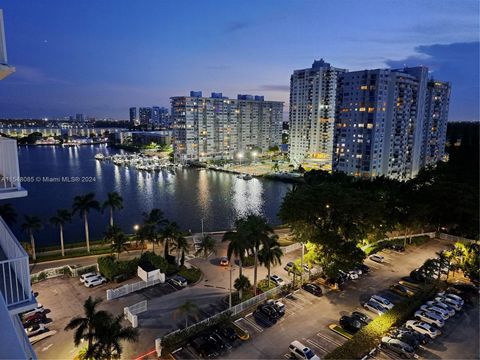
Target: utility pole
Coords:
[[231, 269]]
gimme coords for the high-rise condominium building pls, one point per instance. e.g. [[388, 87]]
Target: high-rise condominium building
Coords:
[[379, 122], [133, 117], [313, 94], [160, 118], [216, 127], [145, 118], [16, 294], [435, 125]]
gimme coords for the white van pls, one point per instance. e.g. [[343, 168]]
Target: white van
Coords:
[[300, 351]]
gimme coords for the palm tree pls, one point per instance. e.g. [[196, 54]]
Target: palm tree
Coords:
[[188, 308], [87, 326], [295, 269], [151, 225], [7, 212], [60, 219], [206, 246], [31, 225], [241, 284], [109, 334], [270, 254], [168, 234], [256, 231], [237, 246], [114, 202], [83, 205], [116, 237], [181, 245]]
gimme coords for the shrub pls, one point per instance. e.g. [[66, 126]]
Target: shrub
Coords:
[[265, 286], [110, 267], [41, 276], [248, 261], [156, 260], [192, 275], [66, 271], [369, 337]]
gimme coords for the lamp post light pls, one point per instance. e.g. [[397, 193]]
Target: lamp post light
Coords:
[[230, 270], [240, 157]]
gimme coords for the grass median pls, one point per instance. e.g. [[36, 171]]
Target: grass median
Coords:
[[370, 336]]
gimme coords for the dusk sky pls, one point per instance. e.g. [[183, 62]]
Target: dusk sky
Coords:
[[101, 57]]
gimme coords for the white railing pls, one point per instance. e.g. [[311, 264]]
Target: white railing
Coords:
[[131, 312], [431, 235], [14, 269], [9, 171], [129, 288], [62, 270], [454, 238], [290, 248]]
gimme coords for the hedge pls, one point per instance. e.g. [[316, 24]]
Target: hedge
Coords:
[[156, 260], [370, 336], [192, 275], [110, 267]]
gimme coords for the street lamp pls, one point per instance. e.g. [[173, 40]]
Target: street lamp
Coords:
[[230, 269], [136, 227], [240, 156]]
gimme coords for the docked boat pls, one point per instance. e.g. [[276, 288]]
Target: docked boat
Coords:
[[247, 177], [100, 156]]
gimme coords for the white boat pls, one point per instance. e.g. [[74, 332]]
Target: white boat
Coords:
[[100, 156]]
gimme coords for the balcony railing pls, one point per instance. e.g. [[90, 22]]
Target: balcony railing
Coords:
[[14, 271], [10, 186]]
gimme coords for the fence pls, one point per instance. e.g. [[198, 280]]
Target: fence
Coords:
[[129, 288], [431, 235], [62, 270], [234, 310], [131, 312], [290, 248], [454, 238]]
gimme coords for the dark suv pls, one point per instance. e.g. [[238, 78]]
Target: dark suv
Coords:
[[351, 324], [312, 289]]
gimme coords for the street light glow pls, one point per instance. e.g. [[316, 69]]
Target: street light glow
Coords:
[[136, 227], [240, 155]]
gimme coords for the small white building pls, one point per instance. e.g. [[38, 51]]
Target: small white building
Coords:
[[147, 272]]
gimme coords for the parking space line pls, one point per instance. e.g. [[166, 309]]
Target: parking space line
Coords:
[[390, 354], [316, 345], [302, 296], [292, 302], [329, 339], [252, 323]]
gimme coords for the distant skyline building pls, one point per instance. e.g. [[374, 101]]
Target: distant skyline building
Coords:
[[145, 118], [218, 128], [313, 94], [80, 117], [133, 117]]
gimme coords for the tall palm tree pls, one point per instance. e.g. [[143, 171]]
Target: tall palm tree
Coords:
[[207, 246], [7, 212], [32, 225], [60, 219], [256, 231], [109, 334], [168, 234], [188, 308], [114, 202], [83, 205], [182, 247], [87, 326], [152, 222], [237, 247], [241, 284], [117, 239], [270, 254]]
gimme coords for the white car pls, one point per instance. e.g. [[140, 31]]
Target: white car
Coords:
[[353, 275], [89, 275], [277, 305], [300, 351], [375, 307], [277, 280], [452, 296], [377, 258], [91, 282], [444, 314], [36, 329], [430, 318], [450, 310], [38, 309], [382, 301], [423, 328], [450, 302]]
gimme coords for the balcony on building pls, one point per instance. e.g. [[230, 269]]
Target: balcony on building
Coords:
[[10, 186]]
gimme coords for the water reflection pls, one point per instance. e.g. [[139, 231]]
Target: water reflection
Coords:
[[247, 197]]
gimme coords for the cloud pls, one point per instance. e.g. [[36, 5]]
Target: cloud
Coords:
[[272, 87], [456, 63], [30, 75]]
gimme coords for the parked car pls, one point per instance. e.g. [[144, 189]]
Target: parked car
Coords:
[[89, 275], [449, 301], [36, 329], [402, 290], [96, 281], [178, 280], [350, 324], [289, 268], [364, 318], [228, 333], [204, 348], [38, 309], [224, 261], [452, 296], [300, 351], [423, 328], [382, 301], [439, 304], [375, 307], [277, 305], [429, 318], [407, 338], [34, 319], [397, 247], [406, 333], [444, 314], [219, 344], [268, 311], [353, 275], [399, 347], [312, 289], [277, 280], [377, 258], [417, 275], [365, 268]]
